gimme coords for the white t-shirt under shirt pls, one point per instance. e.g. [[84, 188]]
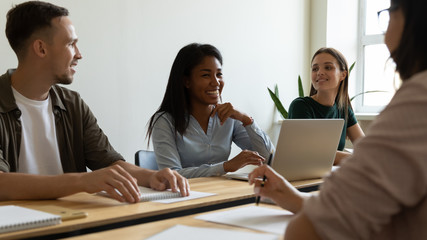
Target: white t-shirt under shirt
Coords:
[[39, 153]]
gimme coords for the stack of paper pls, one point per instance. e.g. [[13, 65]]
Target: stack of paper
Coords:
[[197, 233], [253, 217]]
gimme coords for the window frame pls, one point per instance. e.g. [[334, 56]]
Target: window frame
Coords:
[[363, 41]]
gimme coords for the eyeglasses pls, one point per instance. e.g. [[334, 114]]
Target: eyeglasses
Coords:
[[384, 17]]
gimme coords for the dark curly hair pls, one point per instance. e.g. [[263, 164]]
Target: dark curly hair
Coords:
[[176, 100]]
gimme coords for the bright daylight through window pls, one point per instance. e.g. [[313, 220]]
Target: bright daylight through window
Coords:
[[376, 69]]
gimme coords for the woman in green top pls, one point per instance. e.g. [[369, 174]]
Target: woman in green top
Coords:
[[329, 96]]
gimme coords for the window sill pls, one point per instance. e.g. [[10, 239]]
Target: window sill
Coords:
[[359, 116], [366, 116]]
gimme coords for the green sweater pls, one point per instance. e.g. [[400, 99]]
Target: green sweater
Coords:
[[307, 107]]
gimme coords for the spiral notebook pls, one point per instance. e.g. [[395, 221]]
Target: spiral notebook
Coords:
[[149, 194], [165, 196], [15, 218]]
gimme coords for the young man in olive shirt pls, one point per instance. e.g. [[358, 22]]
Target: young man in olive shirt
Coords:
[[48, 135]]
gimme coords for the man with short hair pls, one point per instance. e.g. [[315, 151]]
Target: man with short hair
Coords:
[[48, 135]]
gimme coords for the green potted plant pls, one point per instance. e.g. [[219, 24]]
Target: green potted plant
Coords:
[[275, 97]]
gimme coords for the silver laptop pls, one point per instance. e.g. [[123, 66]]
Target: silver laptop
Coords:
[[305, 148]]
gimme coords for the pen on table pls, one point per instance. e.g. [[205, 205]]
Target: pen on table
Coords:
[[264, 178]]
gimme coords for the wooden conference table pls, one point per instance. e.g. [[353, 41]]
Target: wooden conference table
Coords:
[[146, 230], [105, 213]]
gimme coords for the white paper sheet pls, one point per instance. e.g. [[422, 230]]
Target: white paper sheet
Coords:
[[253, 217], [197, 233]]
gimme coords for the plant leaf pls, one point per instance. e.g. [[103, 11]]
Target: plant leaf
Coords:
[[276, 90], [351, 68], [300, 88], [278, 104]]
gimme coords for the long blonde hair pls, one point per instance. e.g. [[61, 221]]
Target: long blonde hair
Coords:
[[342, 99]]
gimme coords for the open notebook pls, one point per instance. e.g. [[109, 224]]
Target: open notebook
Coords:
[[15, 218], [166, 196]]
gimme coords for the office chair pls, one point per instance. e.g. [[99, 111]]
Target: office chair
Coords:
[[146, 159]]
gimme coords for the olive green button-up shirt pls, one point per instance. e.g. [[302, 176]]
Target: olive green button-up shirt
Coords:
[[81, 141]]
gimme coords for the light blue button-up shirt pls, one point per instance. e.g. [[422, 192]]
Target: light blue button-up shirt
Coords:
[[200, 154]]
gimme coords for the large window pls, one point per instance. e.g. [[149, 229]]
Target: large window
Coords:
[[375, 70]]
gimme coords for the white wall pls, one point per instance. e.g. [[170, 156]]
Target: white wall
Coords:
[[342, 33], [334, 23], [128, 47], [318, 24]]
